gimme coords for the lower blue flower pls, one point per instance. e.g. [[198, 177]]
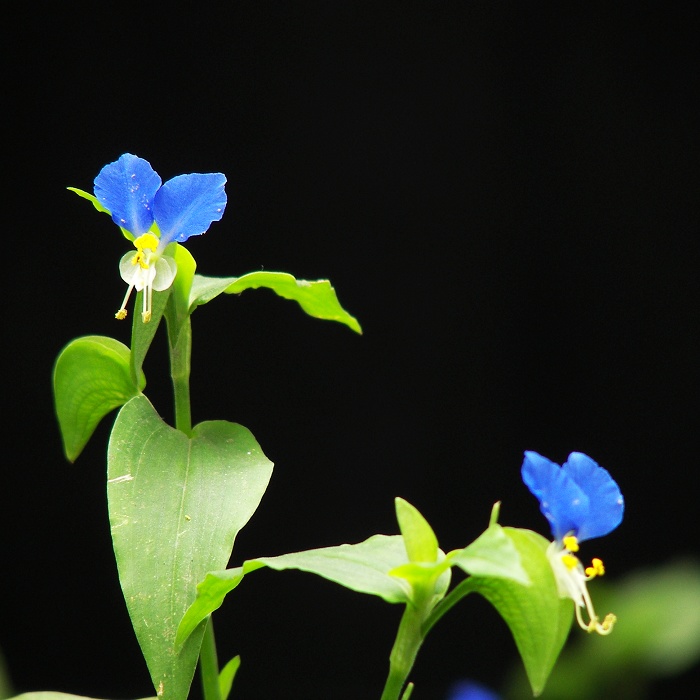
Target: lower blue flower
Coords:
[[581, 501]]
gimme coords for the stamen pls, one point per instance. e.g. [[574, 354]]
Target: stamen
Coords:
[[570, 543], [121, 314], [602, 628], [595, 569], [570, 561]]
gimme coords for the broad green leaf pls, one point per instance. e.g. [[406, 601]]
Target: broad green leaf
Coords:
[[228, 673], [176, 505], [657, 635], [538, 619], [419, 538], [362, 567], [493, 553], [91, 377], [316, 298]]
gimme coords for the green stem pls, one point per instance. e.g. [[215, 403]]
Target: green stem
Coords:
[[180, 359], [403, 654], [209, 664]]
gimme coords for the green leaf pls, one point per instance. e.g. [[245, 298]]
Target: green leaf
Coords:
[[362, 567], [228, 673], [91, 377], [493, 553], [657, 635], [317, 298], [179, 308], [419, 538], [142, 334], [91, 198], [100, 207], [176, 505], [538, 618]]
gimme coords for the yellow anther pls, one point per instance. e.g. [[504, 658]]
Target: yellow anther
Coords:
[[140, 259], [595, 569], [121, 314], [147, 241], [570, 561], [570, 543], [608, 623]]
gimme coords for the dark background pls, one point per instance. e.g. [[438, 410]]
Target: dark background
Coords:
[[505, 195]]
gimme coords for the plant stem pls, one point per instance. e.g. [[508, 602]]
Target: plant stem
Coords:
[[180, 359], [403, 654], [209, 664]]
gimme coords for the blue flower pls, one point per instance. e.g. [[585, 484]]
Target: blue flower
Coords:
[[581, 501], [469, 690], [153, 215]]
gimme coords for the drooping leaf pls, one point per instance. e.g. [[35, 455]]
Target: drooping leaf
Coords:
[[91, 377], [362, 567], [317, 298], [176, 505], [538, 618], [657, 635]]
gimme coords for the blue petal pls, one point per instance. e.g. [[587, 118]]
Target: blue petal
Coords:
[[127, 188], [606, 505], [580, 497], [469, 690], [186, 205]]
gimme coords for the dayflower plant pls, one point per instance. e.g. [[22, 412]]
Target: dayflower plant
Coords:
[[153, 215], [581, 501]]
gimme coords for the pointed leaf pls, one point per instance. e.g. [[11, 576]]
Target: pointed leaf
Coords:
[[538, 619], [142, 334], [228, 673], [419, 538], [175, 508], [317, 298], [493, 553], [91, 377]]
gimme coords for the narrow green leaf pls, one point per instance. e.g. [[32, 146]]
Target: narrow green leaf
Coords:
[[538, 618], [419, 538], [91, 198], [228, 673], [362, 567], [317, 298], [178, 310], [176, 505], [142, 334], [91, 377], [100, 207]]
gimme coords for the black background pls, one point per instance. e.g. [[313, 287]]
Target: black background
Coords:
[[505, 195]]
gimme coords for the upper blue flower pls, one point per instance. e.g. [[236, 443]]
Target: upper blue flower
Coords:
[[153, 215], [185, 206], [579, 498]]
